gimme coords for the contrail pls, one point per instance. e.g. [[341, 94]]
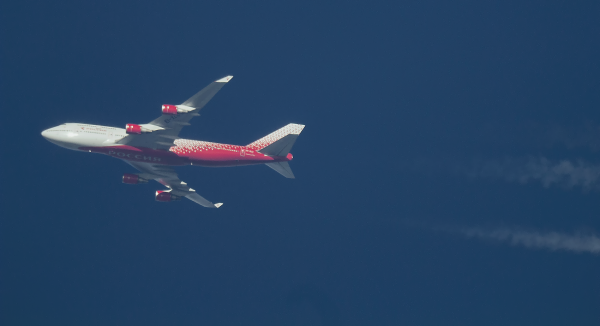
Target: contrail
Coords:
[[566, 173], [536, 240]]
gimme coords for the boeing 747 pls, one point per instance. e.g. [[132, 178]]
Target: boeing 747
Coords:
[[155, 148]]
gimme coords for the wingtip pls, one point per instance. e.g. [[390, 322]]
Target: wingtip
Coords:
[[224, 79], [217, 205]]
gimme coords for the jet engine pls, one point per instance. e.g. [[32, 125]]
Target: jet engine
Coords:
[[169, 109], [133, 179], [164, 196], [131, 128], [176, 109]]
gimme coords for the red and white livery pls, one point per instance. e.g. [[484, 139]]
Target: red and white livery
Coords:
[[155, 147]]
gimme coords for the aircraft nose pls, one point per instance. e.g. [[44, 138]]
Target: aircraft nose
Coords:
[[50, 134]]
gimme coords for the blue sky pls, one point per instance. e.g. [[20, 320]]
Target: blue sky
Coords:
[[448, 173]]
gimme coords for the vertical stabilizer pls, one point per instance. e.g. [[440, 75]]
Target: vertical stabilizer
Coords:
[[278, 143]]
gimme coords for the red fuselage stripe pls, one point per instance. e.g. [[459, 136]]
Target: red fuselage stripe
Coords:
[[190, 152]]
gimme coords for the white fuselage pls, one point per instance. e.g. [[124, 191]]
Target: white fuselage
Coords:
[[76, 135]]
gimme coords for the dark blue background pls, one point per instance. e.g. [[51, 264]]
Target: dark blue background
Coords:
[[352, 240]]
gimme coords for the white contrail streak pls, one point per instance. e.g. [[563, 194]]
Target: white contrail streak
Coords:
[[566, 173], [536, 240]]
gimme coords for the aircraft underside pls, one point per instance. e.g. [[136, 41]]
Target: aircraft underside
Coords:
[[214, 155], [155, 147]]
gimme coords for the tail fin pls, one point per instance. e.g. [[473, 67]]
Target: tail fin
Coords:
[[282, 168], [278, 143]]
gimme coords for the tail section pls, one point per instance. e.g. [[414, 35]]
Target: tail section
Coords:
[[282, 168], [278, 143]]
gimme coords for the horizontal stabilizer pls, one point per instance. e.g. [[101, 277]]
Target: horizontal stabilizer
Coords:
[[282, 168]]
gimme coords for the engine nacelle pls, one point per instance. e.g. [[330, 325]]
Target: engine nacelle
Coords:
[[169, 109], [164, 196], [176, 109], [131, 128], [133, 179]]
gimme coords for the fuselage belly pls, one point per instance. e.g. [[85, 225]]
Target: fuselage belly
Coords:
[[104, 140]]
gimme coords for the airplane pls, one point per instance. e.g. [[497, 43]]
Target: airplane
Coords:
[[155, 147]]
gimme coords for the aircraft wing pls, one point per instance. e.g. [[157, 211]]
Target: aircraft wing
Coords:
[[166, 176], [165, 129]]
